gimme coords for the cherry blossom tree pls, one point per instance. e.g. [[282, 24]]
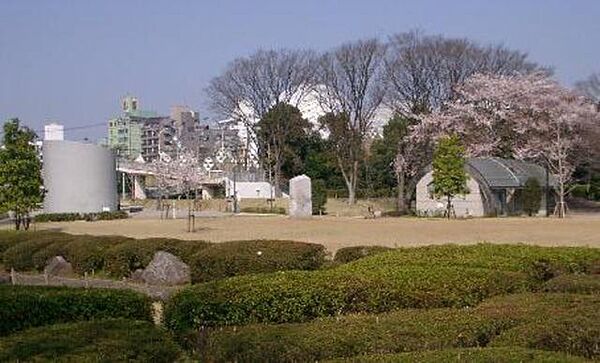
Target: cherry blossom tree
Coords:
[[528, 117]]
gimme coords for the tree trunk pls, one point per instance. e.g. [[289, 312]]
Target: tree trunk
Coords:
[[17, 221], [449, 207], [353, 182]]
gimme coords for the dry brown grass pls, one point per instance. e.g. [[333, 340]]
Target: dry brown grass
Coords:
[[344, 231]]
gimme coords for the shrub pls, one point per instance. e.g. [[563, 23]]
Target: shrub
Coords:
[[11, 238], [578, 284], [57, 217], [496, 355], [404, 330], [319, 196], [264, 210], [20, 255], [90, 217], [435, 276], [30, 306], [124, 258], [532, 196], [349, 254], [399, 331], [578, 335], [297, 296], [88, 253], [245, 257], [116, 340]]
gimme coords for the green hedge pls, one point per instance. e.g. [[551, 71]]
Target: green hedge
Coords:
[[245, 257], [437, 276], [349, 254], [399, 331], [491, 355], [90, 217], [30, 306], [124, 258], [96, 341], [579, 284], [264, 210]]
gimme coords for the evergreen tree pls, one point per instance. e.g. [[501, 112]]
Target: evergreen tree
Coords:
[[20, 173], [532, 196], [449, 175]]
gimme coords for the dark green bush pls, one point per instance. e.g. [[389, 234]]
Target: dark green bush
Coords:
[[57, 217], [319, 196], [90, 217], [578, 335], [11, 238], [116, 340], [399, 331], [245, 257], [20, 255], [105, 216], [405, 330], [297, 296], [482, 355], [30, 306], [264, 210], [435, 276], [578, 284], [124, 258], [88, 253], [532, 196], [349, 254]]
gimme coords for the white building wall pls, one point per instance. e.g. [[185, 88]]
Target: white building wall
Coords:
[[250, 190], [54, 131], [464, 206]]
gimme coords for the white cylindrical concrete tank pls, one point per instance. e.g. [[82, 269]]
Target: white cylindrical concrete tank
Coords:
[[78, 177]]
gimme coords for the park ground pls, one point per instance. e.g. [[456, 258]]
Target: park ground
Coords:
[[338, 232]]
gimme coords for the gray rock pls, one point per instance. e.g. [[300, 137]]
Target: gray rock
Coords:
[[58, 266], [300, 197], [136, 276], [166, 269]]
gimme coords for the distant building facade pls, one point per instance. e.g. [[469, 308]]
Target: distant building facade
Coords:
[[54, 131]]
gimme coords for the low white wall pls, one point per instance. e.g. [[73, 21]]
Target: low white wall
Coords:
[[249, 190]]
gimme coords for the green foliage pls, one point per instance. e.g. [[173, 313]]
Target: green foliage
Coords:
[[449, 175], [246, 257], [487, 355], [90, 217], [264, 210], [379, 167], [578, 335], [578, 284], [532, 196], [124, 258], [394, 332], [281, 134], [349, 254], [117, 340], [30, 306], [319, 196], [20, 173], [433, 276]]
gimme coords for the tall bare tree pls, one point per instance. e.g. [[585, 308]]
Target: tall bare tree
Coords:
[[351, 88], [250, 86], [590, 87], [422, 70]]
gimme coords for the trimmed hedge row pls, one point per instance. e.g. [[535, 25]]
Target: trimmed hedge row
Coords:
[[90, 217], [244, 257], [96, 341], [349, 254], [578, 284], [31, 306], [264, 210], [436, 276], [410, 330], [491, 355], [119, 256]]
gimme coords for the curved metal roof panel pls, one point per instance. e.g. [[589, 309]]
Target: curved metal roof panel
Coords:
[[507, 173]]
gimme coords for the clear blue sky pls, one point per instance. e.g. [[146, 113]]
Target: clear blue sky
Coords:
[[72, 60]]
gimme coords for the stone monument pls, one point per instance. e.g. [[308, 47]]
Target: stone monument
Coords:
[[166, 269], [300, 197]]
